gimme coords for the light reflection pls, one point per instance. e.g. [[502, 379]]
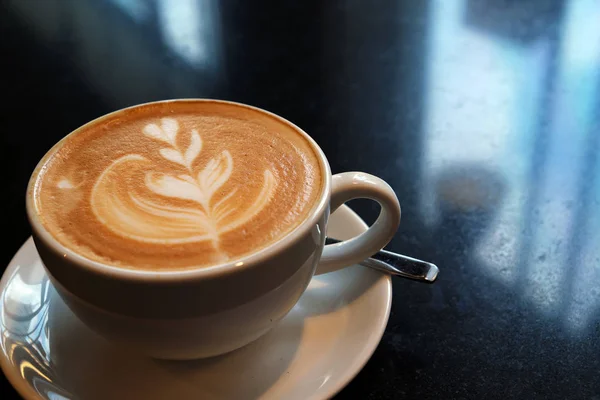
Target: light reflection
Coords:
[[10, 351], [189, 28], [56, 396], [576, 151], [325, 380], [471, 125], [24, 313], [25, 365], [138, 10], [160, 48], [569, 135], [318, 283], [16, 309], [483, 100]]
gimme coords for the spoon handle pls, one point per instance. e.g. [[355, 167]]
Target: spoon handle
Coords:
[[397, 264]]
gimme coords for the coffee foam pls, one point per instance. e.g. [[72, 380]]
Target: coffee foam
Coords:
[[178, 185]]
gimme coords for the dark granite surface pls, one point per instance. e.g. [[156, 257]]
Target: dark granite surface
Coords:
[[483, 115]]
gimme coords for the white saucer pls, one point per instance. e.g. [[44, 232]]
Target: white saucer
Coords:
[[313, 353]]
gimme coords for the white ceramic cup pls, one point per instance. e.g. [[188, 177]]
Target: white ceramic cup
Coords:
[[213, 310]]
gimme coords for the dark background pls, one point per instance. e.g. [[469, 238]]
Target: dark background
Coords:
[[482, 115]]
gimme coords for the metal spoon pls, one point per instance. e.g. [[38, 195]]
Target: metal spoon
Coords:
[[397, 264]]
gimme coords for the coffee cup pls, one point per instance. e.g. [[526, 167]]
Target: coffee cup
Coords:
[[186, 229]]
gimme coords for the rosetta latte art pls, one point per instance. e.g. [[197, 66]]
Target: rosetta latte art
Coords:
[[178, 185], [204, 216]]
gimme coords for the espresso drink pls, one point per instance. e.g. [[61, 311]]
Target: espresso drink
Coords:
[[177, 185]]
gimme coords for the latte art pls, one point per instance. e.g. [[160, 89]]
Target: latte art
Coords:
[[135, 217], [183, 190]]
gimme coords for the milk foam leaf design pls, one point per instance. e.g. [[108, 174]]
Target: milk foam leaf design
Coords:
[[141, 219], [222, 209], [65, 184], [170, 127], [215, 174], [153, 131], [170, 186], [162, 215], [166, 132], [195, 147], [173, 155], [157, 132], [263, 198]]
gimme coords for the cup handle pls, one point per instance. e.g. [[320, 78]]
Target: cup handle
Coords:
[[353, 185]]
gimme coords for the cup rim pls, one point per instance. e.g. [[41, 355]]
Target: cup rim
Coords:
[[205, 272]]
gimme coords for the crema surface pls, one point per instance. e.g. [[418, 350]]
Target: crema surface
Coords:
[[177, 185]]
